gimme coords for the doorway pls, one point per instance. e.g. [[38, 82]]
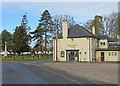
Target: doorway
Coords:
[[72, 55], [102, 56]]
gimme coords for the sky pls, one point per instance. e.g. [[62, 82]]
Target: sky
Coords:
[[12, 12]]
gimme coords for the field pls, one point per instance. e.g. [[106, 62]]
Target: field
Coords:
[[26, 58]]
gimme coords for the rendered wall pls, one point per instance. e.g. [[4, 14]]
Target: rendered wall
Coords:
[[103, 46], [107, 57]]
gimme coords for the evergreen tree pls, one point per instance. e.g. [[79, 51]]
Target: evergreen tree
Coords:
[[98, 23], [21, 37], [20, 41], [6, 37], [46, 25], [38, 35]]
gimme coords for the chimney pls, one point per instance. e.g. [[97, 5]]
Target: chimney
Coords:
[[64, 29], [93, 29]]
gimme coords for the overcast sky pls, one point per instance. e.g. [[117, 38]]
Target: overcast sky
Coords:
[[12, 12]]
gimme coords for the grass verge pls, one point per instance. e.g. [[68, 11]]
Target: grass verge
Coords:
[[26, 58]]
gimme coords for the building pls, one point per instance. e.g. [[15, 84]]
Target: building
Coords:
[[78, 44]]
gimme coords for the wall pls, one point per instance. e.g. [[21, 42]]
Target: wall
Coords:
[[94, 45], [107, 57], [103, 46], [81, 44]]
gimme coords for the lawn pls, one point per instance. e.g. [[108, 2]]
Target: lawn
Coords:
[[26, 58]]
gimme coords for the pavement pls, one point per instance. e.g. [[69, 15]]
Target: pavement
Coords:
[[35, 72], [98, 73]]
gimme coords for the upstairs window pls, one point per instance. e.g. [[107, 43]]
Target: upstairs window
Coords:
[[103, 43]]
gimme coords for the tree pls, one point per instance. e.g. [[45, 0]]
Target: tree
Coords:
[[98, 23], [26, 27], [6, 36], [45, 24], [25, 22], [21, 37], [58, 22], [38, 35], [20, 40], [111, 25], [107, 25]]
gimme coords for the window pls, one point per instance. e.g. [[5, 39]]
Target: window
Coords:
[[115, 53], [85, 53], [62, 53], [103, 43], [112, 53], [80, 53], [109, 54]]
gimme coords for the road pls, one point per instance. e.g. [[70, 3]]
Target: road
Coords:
[[35, 73]]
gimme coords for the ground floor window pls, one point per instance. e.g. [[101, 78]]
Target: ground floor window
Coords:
[[62, 53], [80, 53], [115, 53], [112, 53], [109, 54]]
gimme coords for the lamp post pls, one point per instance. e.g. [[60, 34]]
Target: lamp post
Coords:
[[5, 54]]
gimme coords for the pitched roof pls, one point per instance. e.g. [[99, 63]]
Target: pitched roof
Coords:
[[106, 37], [77, 31]]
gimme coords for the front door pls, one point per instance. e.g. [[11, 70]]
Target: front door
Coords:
[[72, 55], [102, 56]]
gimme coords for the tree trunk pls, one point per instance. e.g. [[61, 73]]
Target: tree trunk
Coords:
[[42, 47], [45, 42]]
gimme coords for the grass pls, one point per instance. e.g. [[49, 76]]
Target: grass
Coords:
[[26, 58]]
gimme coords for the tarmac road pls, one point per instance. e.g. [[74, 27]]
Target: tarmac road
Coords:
[[37, 73]]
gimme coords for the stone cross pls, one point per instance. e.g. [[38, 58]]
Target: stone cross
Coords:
[[5, 54]]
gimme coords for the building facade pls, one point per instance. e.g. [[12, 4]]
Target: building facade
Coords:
[[78, 44]]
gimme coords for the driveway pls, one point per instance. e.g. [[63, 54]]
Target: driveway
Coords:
[[34, 72], [98, 73]]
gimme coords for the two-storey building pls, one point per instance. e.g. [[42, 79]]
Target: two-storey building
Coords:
[[78, 44]]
